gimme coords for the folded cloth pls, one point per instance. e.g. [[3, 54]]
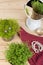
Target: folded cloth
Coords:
[[37, 58], [27, 37]]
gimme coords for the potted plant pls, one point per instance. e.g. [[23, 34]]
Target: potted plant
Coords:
[[37, 10], [34, 13], [8, 28], [18, 54], [37, 7]]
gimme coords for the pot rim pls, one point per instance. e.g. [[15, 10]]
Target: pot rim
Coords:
[[31, 8]]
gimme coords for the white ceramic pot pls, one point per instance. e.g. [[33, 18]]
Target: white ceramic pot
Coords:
[[32, 23], [41, 0], [36, 16]]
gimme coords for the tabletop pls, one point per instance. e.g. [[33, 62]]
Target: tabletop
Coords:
[[12, 9]]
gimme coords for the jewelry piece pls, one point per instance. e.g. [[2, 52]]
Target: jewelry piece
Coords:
[[40, 46]]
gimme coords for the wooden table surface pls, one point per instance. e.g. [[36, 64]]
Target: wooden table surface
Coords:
[[11, 9]]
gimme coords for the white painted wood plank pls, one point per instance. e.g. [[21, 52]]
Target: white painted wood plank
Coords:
[[12, 4]]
